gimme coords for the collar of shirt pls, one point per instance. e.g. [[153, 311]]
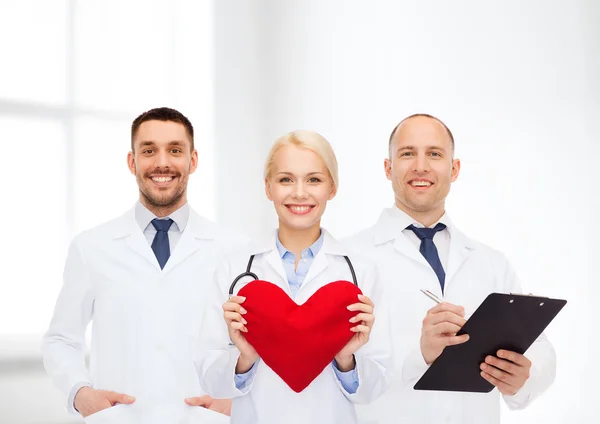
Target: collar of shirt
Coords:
[[180, 217], [310, 252], [404, 220]]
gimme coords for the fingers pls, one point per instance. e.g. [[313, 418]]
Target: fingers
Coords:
[[515, 357], [361, 328], [365, 305], [234, 316], [456, 340], [114, 397], [365, 299], [233, 305], [234, 325], [503, 387], [449, 307], [233, 311], [441, 328], [443, 316], [204, 401], [506, 366], [366, 318]]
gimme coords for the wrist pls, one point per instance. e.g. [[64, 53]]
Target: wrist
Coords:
[[244, 364], [345, 363], [80, 392]]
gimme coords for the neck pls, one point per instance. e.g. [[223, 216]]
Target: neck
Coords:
[[162, 211], [425, 218], [296, 240]]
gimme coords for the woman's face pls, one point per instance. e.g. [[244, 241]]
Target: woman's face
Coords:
[[299, 187]]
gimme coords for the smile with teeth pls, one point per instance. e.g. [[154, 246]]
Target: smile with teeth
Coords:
[[300, 209], [162, 179], [420, 183]]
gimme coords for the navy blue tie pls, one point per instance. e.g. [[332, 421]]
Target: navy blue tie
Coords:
[[429, 251], [160, 244]]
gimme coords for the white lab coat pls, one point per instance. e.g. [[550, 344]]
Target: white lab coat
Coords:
[[145, 320], [266, 399], [473, 271]]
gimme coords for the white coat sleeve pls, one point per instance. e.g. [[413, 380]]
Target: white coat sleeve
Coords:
[[374, 359], [217, 358], [414, 366], [63, 346], [541, 354]]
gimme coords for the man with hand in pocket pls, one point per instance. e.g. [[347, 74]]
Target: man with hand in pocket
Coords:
[[141, 280]]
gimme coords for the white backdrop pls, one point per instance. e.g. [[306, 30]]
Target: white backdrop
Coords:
[[517, 82]]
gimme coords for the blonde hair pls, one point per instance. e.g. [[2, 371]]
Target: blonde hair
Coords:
[[308, 140]]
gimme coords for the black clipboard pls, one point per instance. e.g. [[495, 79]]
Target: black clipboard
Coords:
[[502, 321]]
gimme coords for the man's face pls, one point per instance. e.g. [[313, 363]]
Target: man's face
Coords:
[[421, 167], [162, 161]]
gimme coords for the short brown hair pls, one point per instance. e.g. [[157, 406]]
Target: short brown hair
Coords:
[[163, 114], [416, 115]]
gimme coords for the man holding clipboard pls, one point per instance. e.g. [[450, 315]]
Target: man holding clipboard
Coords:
[[417, 246]]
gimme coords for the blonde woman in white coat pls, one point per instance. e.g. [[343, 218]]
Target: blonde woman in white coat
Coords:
[[300, 258]]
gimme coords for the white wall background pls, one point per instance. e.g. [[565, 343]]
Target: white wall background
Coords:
[[516, 81]]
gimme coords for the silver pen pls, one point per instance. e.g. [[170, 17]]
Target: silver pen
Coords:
[[431, 296]]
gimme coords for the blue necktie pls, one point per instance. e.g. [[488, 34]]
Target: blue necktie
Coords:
[[160, 244], [429, 251]]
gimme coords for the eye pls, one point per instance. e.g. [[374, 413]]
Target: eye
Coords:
[[405, 154], [285, 180], [436, 154], [147, 151], [314, 180], [176, 151]]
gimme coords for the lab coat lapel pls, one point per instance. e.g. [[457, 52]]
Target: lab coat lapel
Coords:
[[460, 248], [195, 232], [387, 229], [330, 247], [267, 245], [274, 261], [135, 239]]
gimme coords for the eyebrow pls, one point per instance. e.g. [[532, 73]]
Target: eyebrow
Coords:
[[414, 148], [152, 142], [308, 175]]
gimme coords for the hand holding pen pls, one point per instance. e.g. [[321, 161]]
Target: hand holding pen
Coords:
[[440, 326]]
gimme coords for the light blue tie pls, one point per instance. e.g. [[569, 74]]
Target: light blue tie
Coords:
[[160, 244]]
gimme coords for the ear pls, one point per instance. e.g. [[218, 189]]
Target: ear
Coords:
[[194, 162], [387, 167], [455, 169], [131, 162], [333, 191], [268, 190]]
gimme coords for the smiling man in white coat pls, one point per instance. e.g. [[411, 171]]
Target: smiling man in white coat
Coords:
[[141, 279], [417, 246]]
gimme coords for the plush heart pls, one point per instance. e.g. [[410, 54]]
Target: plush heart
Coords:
[[298, 341]]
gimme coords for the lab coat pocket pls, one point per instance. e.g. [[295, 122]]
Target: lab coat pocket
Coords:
[[118, 414]]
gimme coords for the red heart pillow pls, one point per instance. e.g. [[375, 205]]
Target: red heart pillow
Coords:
[[298, 341]]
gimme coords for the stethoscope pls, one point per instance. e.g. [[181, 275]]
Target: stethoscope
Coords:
[[249, 273]]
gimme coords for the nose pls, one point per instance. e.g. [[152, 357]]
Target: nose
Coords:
[[421, 164], [300, 191], [162, 160]]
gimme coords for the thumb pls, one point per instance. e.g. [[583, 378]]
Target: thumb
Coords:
[[115, 397], [204, 401]]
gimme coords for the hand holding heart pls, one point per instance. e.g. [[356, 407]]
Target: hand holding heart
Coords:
[[345, 358], [236, 325], [234, 312]]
